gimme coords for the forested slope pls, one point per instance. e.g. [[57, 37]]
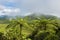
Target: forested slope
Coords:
[[44, 27]]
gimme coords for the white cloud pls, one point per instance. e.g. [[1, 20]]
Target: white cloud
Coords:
[[42, 6], [26, 14], [33, 5], [9, 11], [13, 1]]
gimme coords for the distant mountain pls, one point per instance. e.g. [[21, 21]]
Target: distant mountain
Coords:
[[31, 16], [3, 17], [39, 16]]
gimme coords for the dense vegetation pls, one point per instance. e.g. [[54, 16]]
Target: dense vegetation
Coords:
[[45, 27]]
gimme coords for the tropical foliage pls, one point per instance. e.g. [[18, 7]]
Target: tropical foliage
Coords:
[[37, 28]]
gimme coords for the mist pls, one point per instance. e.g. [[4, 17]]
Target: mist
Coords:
[[28, 7]]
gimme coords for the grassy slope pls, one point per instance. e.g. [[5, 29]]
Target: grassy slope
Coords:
[[2, 27]]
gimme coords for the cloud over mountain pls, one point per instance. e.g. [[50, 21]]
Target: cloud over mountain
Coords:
[[28, 6]]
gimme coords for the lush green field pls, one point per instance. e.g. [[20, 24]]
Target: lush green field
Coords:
[[2, 27]]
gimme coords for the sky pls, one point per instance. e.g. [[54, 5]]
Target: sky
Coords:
[[27, 7]]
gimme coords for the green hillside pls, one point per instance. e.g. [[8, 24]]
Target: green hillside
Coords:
[[45, 27]]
